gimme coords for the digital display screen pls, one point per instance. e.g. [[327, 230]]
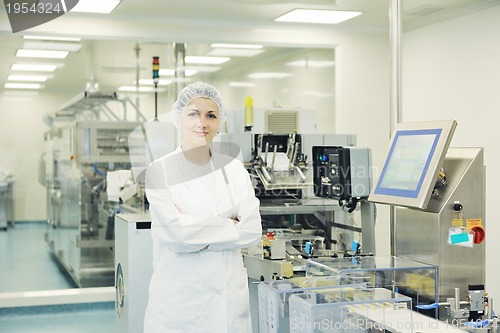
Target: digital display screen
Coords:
[[408, 162]]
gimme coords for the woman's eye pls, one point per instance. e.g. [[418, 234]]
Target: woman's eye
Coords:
[[192, 114], [213, 116]]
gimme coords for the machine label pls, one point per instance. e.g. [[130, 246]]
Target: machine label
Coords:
[[457, 222], [473, 223]]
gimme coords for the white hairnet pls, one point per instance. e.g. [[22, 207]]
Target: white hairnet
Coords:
[[195, 90]]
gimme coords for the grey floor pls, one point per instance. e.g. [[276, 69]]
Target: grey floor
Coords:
[[26, 264]]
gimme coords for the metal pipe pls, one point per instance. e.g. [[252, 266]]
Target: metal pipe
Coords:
[[289, 145], [137, 50], [265, 156], [261, 142], [457, 298], [490, 307], [180, 63], [449, 304], [294, 154], [267, 176], [274, 156], [395, 22], [300, 173]]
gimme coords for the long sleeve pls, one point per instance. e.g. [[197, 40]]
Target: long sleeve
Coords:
[[249, 227], [179, 231]]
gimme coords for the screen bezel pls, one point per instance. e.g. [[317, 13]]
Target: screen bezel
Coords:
[[418, 198]]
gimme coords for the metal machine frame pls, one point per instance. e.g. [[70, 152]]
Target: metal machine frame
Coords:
[[424, 235]]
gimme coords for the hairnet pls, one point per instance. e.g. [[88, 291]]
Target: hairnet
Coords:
[[195, 90]]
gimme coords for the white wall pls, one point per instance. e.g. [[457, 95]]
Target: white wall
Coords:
[[21, 145], [363, 86], [309, 88], [451, 70]]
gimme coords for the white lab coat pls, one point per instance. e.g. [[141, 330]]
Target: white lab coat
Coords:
[[194, 289]]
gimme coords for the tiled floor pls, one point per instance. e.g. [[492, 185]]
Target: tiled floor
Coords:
[[26, 264], [75, 318]]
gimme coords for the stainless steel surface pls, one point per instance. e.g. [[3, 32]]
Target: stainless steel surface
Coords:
[[368, 226], [6, 203], [423, 235], [80, 216], [102, 141], [395, 25], [490, 307]]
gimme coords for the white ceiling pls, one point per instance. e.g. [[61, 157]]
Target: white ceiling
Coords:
[[154, 25]]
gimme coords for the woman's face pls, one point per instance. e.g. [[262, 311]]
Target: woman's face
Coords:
[[199, 122]]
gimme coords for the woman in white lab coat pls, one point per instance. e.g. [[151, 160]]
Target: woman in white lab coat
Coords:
[[203, 210]]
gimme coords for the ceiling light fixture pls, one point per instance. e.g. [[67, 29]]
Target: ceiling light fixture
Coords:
[[317, 16], [311, 63], [237, 46], [65, 39], [71, 47], [41, 54], [33, 68], [95, 6], [20, 93], [238, 84], [28, 78], [195, 69], [318, 94], [171, 72], [269, 75], [234, 52], [10, 85], [206, 60]]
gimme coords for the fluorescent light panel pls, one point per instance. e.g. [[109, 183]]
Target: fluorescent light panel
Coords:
[[33, 68], [42, 54], [234, 52], [269, 75], [317, 16], [67, 39], [319, 94], [95, 6], [71, 47], [11, 85], [238, 84], [28, 78], [311, 63], [237, 46], [171, 72], [20, 93], [206, 60], [195, 69]]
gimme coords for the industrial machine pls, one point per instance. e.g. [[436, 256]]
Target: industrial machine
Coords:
[[6, 199], [87, 174], [439, 214], [438, 194], [298, 221]]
